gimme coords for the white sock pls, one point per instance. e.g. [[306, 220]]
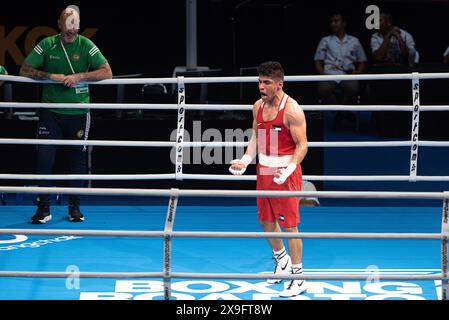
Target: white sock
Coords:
[[280, 255], [297, 268]]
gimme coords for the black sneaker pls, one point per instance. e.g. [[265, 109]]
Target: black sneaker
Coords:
[[42, 215], [75, 214]]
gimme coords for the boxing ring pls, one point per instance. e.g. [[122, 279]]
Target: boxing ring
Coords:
[[168, 237]]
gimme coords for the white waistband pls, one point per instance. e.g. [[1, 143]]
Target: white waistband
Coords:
[[275, 161]]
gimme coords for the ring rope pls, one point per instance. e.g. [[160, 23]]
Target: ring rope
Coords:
[[227, 235], [317, 276], [227, 144], [216, 177], [228, 193], [394, 76], [215, 107]]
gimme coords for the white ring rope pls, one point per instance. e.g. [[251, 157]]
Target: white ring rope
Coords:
[[393, 76], [107, 82], [317, 276], [306, 276], [149, 176], [228, 235], [216, 177], [49, 274], [124, 106], [214, 107], [186, 176], [225, 144], [227, 193], [99, 143]]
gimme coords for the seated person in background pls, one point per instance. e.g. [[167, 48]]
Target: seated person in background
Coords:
[[446, 56], [2, 71], [308, 201], [393, 51], [339, 53], [392, 46]]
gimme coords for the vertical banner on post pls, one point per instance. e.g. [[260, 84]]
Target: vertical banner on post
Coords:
[[180, 128], [444, 247], [169, 221], [415, 128]]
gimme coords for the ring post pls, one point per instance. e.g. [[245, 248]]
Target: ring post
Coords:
[[180, 127], [169, 221], [444, 248]]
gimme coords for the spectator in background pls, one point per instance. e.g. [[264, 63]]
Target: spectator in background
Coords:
[[446, 56], [392, 46], [339, 53], [2, 71], [393, 51]]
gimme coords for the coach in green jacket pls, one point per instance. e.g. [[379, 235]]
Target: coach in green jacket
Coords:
[[69, 59]]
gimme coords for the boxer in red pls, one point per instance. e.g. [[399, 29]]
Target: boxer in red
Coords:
[[280, 141]]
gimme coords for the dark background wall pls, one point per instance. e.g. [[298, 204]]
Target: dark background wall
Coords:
[[149, 36]]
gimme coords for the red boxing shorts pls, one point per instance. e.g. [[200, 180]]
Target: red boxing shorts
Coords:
[[283, 210]]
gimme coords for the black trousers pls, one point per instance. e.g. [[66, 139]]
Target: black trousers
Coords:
[[53, 125]]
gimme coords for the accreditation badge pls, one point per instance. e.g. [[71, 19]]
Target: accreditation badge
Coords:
[[81, 88]]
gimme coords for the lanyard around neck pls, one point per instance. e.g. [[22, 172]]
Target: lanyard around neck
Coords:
[[67, 56]]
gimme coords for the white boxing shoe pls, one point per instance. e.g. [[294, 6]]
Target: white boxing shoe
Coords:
[[293, 288], [282, 267]]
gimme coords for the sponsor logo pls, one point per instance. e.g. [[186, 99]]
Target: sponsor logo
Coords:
[[14, 238], [43, 131], [199, 289], [171, 209], [16, 242], [285, 266], [446, 211], [415, 129]]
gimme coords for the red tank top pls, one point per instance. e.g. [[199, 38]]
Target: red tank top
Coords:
[[273, 136]]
